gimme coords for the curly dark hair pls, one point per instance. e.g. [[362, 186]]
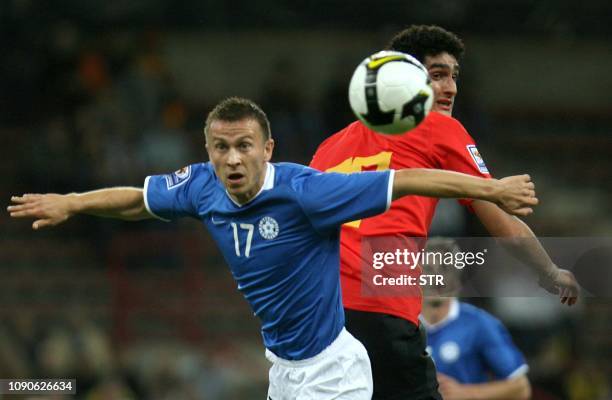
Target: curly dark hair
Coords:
[[426, 40], [236, 109]]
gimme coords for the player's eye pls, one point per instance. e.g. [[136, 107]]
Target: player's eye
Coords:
[[220, 146], [245, 146]]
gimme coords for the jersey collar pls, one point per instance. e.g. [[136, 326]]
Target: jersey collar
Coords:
[[453, 314], [267, 185]]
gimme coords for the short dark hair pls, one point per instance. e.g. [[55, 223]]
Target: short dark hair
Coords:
[[235, 109], [427, 40]]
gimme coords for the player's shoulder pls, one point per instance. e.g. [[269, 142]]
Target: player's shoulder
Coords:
[[200, 168], [347, 133], [200, 171], [299, 177], [188, 174], [343, 142], [288, 169], [477, 315], [295, 180], [286, 172], [200, 180], [444, 124]]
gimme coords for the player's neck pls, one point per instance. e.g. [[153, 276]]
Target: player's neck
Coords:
[[433, 315], [264, 181]]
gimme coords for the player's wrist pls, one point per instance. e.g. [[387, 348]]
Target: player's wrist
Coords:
[[551, 273], [493, 190], [73, 203]]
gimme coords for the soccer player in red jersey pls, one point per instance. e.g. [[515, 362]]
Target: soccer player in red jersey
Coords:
[[388, 326]]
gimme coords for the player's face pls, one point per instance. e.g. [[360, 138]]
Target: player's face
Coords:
[[238, 153], [443, 71], [434, 302]]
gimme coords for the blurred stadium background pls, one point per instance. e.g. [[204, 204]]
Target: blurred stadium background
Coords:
[[100, 93]]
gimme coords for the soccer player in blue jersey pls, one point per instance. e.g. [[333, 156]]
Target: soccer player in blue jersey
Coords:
[[473, 352], [278, 227]]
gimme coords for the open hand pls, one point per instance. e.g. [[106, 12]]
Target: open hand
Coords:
[[450, 389], [517, 195], [564, 284], [47, 209]]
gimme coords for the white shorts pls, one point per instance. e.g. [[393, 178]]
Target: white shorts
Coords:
[[342, 372]]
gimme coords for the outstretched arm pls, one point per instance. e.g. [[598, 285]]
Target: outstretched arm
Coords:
[[52, 209], [521, 242], [514, 194]]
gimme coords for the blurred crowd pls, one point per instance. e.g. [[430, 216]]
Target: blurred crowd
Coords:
[[75, 348], [104, 112], [110, 111]]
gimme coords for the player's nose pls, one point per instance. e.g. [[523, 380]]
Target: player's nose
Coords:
[[233, 157], [450, 87]]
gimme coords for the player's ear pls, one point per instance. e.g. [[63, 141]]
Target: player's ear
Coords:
[[268, 149], [205, 139], [207, 148]]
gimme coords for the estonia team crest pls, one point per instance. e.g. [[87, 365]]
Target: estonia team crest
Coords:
[[268, 228]]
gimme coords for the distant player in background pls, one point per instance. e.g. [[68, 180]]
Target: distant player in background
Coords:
[[386, 324], [473, 352], [277, 226]]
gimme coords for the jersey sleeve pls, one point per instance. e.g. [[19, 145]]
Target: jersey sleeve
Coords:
[[331, 199], [174, 195], [499, 353], [455, 150]]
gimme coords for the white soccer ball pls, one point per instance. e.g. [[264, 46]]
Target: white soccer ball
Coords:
[[390, 92]]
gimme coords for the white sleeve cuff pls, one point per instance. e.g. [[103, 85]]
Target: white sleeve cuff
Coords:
[[390, 188], [146, 202], [522, 370]]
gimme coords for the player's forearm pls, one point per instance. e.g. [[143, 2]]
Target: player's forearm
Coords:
[[511, 389], [121, 202], [516, 237], [442, 184]]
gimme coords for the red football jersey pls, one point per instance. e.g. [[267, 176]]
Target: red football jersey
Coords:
[[439, 142]]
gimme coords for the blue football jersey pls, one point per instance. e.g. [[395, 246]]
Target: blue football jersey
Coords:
[[472, 346], [283, 245]]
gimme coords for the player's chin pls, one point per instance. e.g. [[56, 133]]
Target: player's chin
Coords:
[[443, 109], [235, 185], [237, 190], [234, 190]]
